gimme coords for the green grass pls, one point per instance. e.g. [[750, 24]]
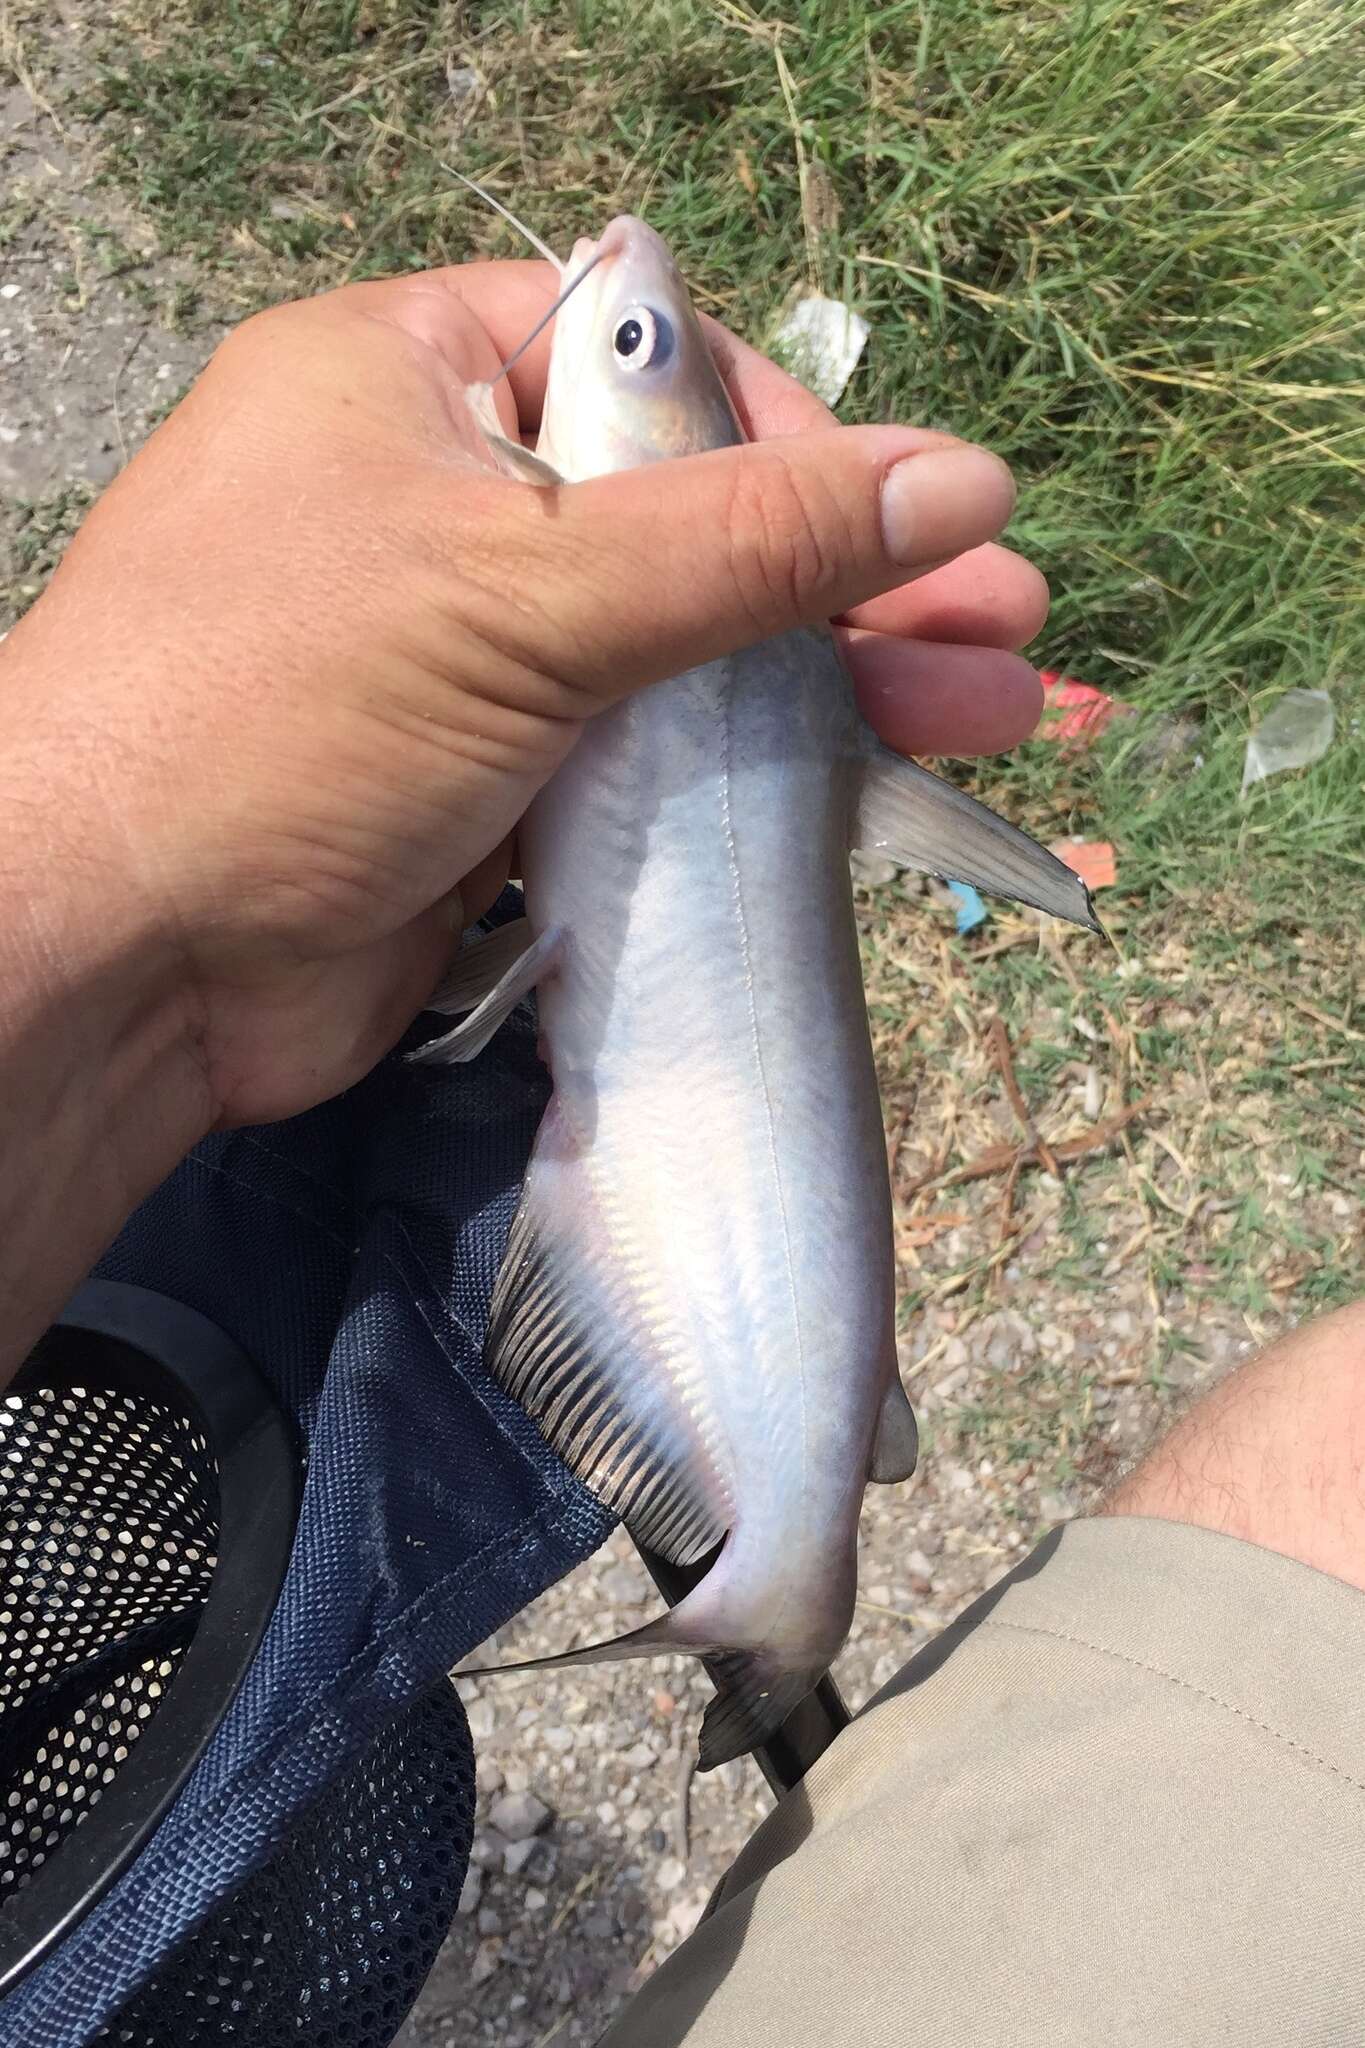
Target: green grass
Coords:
[[33, 541], [1120, 242]]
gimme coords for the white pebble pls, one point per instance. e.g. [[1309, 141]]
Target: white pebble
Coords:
[[485, 1962], [622, 1586], [518, 1814], [482, 1719], [684, 1916]]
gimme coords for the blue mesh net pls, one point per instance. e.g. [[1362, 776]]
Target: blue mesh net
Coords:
[[329, 1943], [351, 1253]]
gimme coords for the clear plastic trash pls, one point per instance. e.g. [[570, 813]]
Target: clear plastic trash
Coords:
[[820, 341], [1296, 732]]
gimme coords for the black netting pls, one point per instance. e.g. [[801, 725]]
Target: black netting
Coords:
[[331, 1942], [108, 1527]]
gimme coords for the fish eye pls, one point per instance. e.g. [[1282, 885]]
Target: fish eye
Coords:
[[640, 338]]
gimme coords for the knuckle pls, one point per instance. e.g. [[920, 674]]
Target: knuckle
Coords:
[[786, 540]]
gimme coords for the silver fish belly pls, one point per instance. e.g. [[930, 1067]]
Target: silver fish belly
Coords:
[[697, 1306]]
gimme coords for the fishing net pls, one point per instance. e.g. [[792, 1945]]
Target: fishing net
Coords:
[[109, 1533], [331, 1942]]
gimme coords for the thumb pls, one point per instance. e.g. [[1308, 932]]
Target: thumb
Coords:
[[654, 570]]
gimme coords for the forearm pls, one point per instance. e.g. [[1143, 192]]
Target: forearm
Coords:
[[101, 1092]]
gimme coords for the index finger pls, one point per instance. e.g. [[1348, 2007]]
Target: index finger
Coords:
[[767, 398]]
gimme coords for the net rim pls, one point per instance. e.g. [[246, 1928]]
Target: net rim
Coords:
[[113, 1336]]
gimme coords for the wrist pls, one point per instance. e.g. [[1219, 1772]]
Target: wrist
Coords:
[[102, 1088]]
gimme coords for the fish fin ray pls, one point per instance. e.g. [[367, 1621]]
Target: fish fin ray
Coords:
[[756, 1689], [895, 1448], [479, 966], [923, 822], [754, 1697], [653, 1639], [696, 1627], [542, 1342], [509, 456], [468, 1040]]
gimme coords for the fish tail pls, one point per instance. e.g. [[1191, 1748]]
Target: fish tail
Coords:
[[756, 1692], [689, 1628], [757, 1687]]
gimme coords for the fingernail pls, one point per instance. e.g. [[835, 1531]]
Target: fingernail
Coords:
[[938, 504]]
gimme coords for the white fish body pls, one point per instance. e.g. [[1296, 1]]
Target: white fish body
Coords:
[[697, 1304], [708, 1195]]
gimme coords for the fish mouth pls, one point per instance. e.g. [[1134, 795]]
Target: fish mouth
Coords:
[[612, 241]]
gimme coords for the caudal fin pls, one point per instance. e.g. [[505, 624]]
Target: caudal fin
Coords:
[[755, 1695], [756, 1688], [655, 1639]]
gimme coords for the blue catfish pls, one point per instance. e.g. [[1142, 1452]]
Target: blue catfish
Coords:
[[697, 1300]]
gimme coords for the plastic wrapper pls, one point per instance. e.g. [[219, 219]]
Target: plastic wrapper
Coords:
[[821, 341], [1294, 733]]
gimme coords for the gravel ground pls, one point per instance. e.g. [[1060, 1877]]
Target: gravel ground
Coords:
[[89, 362], [553, 1938], [1036, 1376]]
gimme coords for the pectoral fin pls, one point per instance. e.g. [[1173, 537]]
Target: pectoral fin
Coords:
[[511, 458], [479, 966], [895, 1449], [928, 824], [460, 990]]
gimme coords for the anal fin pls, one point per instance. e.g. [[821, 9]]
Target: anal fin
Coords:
[[931, 825], [555, 1351]]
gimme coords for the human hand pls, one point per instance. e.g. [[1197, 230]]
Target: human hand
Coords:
[[308, 660]]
